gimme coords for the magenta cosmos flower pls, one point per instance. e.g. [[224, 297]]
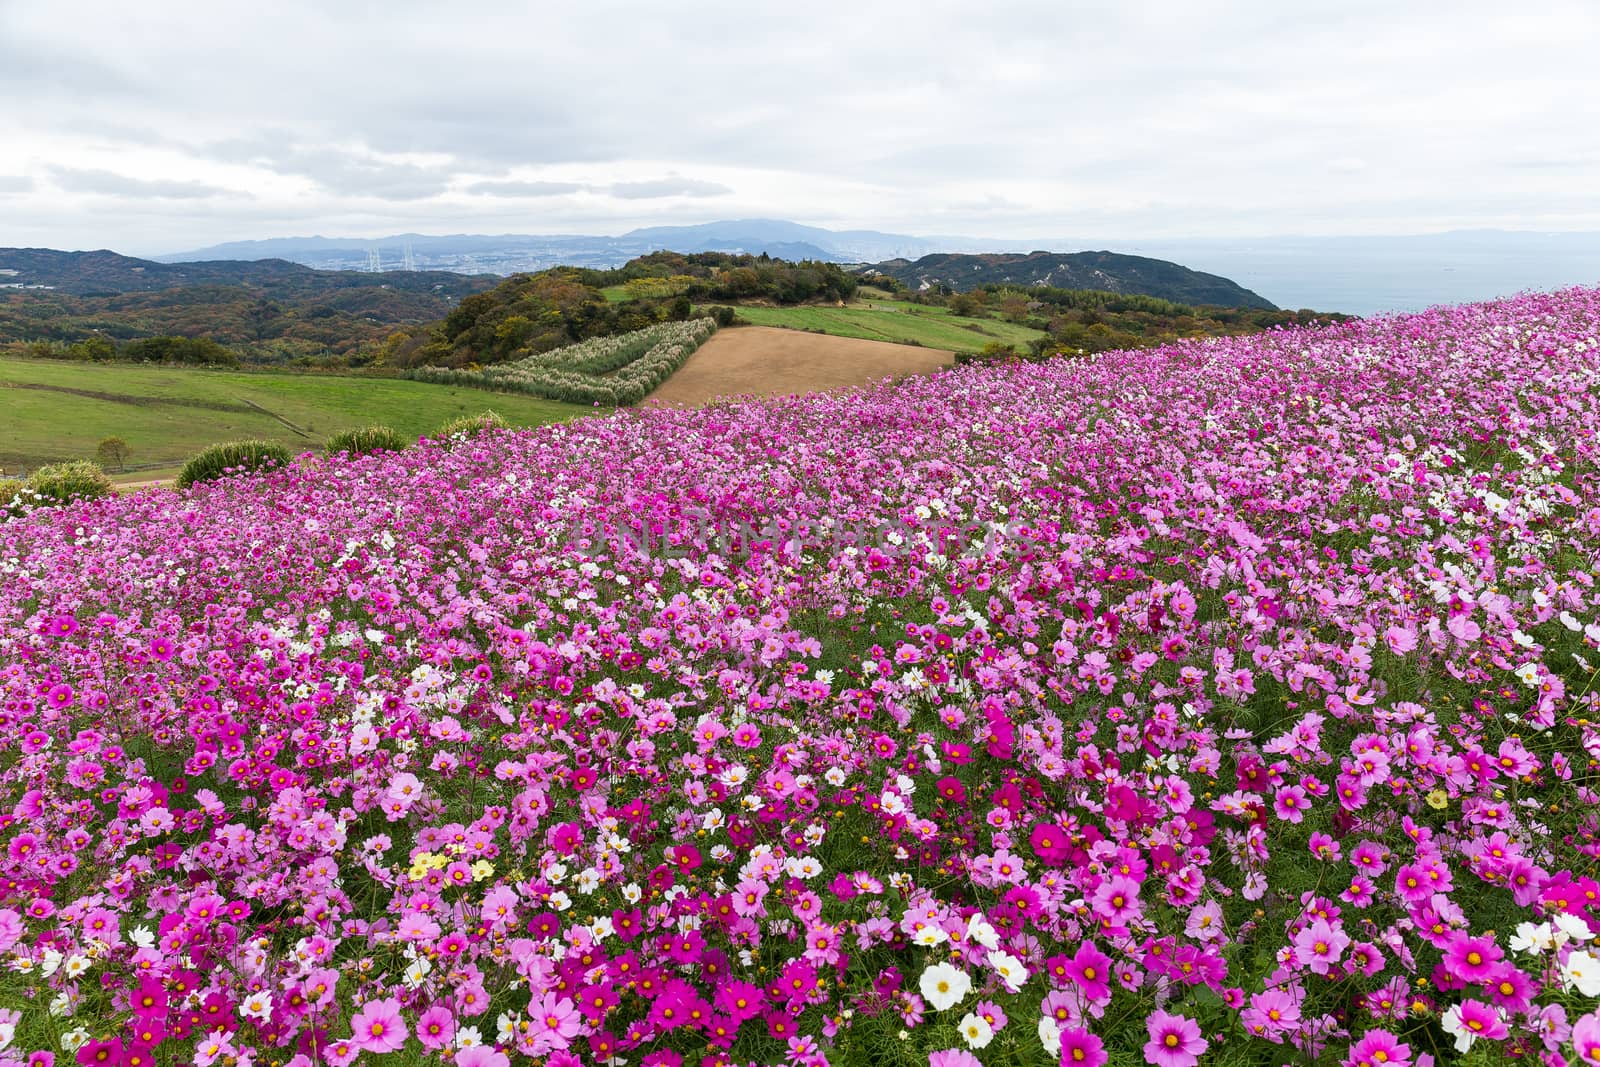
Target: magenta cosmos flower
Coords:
[[1175, 1040], [1080, 1048]]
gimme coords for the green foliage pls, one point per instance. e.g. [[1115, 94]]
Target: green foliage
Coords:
[[113, 450], [196, 351], [366, 441], [470, 425], [63, 483], [232, 457], [530, 314], [338, 318], [15, 498]]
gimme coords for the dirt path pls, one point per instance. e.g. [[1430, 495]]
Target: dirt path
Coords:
[[766, 361], [280, 418]]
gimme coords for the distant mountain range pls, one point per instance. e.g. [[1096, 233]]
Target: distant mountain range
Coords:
[[1100, 271], [514, 253]]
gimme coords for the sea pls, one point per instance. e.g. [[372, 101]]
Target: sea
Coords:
[[1372, 275]]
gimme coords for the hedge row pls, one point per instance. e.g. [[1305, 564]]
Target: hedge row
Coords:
[[613, 371]]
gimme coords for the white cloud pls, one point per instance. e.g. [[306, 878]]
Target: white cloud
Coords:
[[1017, 120]]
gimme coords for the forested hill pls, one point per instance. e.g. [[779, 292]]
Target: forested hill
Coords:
[[1108, 272], [89, 305], [105, 273]]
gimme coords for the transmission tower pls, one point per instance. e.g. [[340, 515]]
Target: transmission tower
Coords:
[[374, 261], [410, 262]]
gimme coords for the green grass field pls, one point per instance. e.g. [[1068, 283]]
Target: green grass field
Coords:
[[52, 411], [933, 327]]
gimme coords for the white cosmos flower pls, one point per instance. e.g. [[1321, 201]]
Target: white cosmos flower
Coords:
[[1572, 926], [1582, 972], [1050, 1035], [802, 866], [1010, 970], [979, 930], [975, 1029], [944, 986], [1532, 938]]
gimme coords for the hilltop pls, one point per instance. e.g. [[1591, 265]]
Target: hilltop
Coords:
[[106, 273], [1108, 272]]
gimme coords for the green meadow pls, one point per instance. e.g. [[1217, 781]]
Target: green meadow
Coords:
[[904, 323], [54, 411]]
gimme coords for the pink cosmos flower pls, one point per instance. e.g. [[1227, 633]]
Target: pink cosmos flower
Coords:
[[1291, 803], [1116, 901], [1586, 1039], [1400, 639], [953, 1057], [1175, 1040], [436, 1027], [378, 1026], [1319, 946], [1271, 1013], [481, 1056], [1378, 1048], [556, 1019]]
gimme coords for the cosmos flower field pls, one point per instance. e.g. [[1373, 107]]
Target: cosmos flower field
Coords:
[[1226, 703]]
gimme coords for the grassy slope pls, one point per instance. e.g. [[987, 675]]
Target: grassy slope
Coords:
[[877, 317], [933, 327], [46, 425]]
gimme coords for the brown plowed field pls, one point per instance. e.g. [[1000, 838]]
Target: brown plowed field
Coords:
[[763, 361]]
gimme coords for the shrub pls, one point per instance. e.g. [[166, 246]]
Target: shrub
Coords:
[[232, 457], [366, 440], [15, 498], [64, 483], [471, 425]]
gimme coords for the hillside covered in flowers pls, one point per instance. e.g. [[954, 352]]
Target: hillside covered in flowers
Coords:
[[1225, 703]]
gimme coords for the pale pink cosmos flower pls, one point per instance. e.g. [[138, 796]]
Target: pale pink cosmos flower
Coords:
[[378, 1026]]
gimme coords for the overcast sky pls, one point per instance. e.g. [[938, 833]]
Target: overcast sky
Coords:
[[159, 126]]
